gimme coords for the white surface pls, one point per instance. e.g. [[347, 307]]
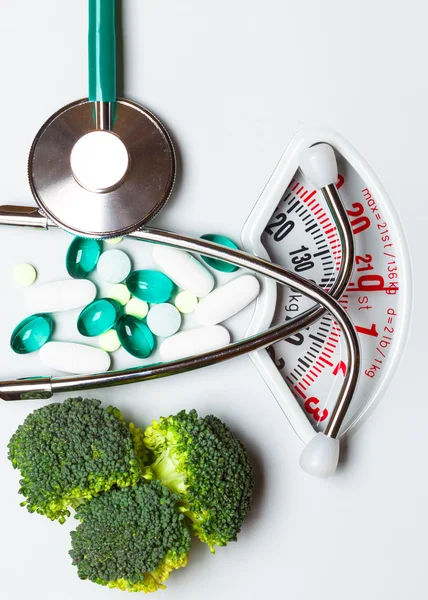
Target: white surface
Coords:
[[319, 165], [245, 77], [184, 270], [76, 359], [194, 341], [99, 161], [227, 300]]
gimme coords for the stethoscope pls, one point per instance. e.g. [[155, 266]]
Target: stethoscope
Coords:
[[104, 167]]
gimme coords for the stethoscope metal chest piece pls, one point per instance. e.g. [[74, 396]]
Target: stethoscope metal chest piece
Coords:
[[102, 167], [125, 205]]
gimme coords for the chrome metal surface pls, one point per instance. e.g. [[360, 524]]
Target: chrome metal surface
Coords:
[[263, 340], [22, 216], [116, 212], [346, 236], [36, 388], [103, 116]]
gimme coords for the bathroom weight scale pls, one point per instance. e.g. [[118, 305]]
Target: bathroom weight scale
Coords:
[[291, 225]]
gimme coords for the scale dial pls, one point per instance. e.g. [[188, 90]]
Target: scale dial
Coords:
[[301, 235]]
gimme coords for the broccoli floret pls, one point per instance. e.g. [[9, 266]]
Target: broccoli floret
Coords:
[[200, 459], [131, 539], [69, 453]]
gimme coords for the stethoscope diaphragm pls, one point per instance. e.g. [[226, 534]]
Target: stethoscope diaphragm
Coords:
[[136, 172]]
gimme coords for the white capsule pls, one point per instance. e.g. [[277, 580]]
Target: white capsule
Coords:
[[227, 300], [75, 359], [194, 341], [60, 295], [184, 270]]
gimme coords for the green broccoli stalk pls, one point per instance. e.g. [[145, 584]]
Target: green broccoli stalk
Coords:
[[200, 459], [131, 539], [71, 452]]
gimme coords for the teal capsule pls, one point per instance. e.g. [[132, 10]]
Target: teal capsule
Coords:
[[31, 334], [220, 265], [151, 286], [135, 337], [98, 317], [82, 257]]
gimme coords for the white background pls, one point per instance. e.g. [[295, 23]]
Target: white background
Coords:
[[234, 80]]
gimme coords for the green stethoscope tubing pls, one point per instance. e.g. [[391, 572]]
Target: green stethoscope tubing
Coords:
[[102, 51]]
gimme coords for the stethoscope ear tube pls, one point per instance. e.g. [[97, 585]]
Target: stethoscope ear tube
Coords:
[[102, 51]]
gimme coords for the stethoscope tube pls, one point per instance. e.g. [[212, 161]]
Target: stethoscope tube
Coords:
[[14, 390]]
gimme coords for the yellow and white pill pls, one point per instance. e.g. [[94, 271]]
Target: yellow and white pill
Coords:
[[24, 275], [114, 241], [137, 308], [109, 341], [186, 302], [119, 292]]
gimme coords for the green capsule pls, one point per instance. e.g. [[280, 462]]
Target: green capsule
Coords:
[[82, 257], [98, 317], [135, 337], [31, 334], [151, 286], [220, 265]]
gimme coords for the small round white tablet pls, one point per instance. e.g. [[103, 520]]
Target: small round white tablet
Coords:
[[24, 275], [164, 320], [114, 266], [137, 308]]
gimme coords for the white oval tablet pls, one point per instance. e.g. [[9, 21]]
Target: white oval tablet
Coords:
[[227, 300], [76, 359], [60, 295], [163, 320], [194, 341], [184, 270]]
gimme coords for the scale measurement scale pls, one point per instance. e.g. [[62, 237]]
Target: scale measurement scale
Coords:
[[301, 236]]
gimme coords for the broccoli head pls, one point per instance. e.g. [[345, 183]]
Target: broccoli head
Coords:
[[200, 459], [69, 453], [131, 538]]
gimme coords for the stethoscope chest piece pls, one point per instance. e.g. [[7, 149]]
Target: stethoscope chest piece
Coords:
[[102, 169]]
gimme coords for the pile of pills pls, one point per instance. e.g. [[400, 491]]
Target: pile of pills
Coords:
[[142, 310]]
